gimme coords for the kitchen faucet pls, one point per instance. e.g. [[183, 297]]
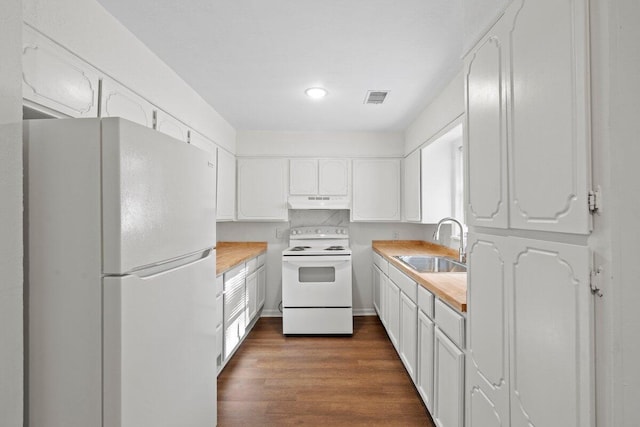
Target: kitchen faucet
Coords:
[[462, 256]]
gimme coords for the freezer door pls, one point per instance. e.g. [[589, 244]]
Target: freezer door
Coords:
[[158, 197], [159, 347]]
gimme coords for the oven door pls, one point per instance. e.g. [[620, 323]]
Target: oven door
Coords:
[[316, 281]]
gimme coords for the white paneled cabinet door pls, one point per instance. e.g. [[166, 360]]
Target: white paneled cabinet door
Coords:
[[203, 143], [171, 126], [424, 379], [118, 101], [226, 203], [551, 317], [550, 124], [487, 332], [56, 81], [411, 187], [376, 190], [262, 189], [408, 334], [448, 403], [485, 139], [384, 296], [252, 296], [393, 313], [333, 177], [303, 177], [262, 286]]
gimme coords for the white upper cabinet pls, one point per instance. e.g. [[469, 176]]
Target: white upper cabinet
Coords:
[[226, 203], [303, 178], [486, 186], [171, 126], [262, 189], [550, 126], [203, 142], [325, 177], [56, 81], [118, 101], [527, 94], [438, 179], [376, 190], [411, 187], [333, 177]]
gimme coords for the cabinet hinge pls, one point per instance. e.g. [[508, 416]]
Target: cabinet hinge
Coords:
[[594, 201], [594, 281], [155, 119], [188, 137]]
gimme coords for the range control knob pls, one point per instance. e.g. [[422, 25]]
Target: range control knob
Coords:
[[318, 231]]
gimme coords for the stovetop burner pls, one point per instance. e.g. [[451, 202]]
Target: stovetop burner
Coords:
[[335, 248], [300, 248]]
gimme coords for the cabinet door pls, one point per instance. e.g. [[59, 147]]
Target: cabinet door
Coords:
[[485, 141], [118, 101], [333, 177], [252, 296], [411, 188], [487, 332], [424, 377], [226, 203], [448, 402], [203, 143], [437, 179], [303, 177], [171, 126], [262, 286], [377, 282], [551, 346], [56, 81], [376, 190], [408, 334], [549, 129], [384, 297], [262, 189], [393, 313]]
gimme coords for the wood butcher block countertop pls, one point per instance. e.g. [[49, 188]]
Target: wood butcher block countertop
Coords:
[[230, 254], [449, 287]]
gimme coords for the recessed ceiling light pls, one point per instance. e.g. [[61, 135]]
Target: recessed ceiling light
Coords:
[[316, 92]]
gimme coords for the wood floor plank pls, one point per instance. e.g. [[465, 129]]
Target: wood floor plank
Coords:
[[275, 380]]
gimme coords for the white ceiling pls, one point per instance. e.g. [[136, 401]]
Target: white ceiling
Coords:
[[253, 59]]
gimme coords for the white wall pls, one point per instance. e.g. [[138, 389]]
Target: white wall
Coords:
[[444, 109], [320, 144], [11, 276], [361, 235], [88, 30]]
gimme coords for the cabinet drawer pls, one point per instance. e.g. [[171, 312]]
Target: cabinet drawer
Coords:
[[252, 265], [450, 322], [234, 276], [219, 285], [404, 282], [382, 263], [261, 260], [425, 301]]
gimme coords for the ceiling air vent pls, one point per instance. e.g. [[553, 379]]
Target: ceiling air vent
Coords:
[[376, 96]]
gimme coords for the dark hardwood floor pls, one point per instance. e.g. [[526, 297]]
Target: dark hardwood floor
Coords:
[[275, 380]]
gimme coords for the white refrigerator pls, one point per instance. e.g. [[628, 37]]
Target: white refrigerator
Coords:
[[120, 276]]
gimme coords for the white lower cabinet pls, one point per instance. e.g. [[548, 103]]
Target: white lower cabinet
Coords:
[[448, 382], [262, 286], [429, 337], [252, 296], [392, 302], [408, 334], [424, 377]]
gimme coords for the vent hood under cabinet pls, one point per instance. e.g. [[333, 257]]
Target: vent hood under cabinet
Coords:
[[319, 202]]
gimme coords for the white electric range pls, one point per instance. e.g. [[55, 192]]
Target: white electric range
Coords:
[[316, 282]]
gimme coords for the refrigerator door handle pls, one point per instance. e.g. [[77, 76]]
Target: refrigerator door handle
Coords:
[[150, 271]]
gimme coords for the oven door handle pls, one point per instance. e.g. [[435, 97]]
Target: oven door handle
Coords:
[[316, 263]]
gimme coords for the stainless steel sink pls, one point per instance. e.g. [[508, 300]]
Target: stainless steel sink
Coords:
[[432, 264]]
